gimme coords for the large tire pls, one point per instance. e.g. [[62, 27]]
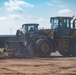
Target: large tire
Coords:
[[44, 47], [73, 48], [65, 53]]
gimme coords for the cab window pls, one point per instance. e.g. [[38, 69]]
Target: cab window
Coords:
[[54, 23]]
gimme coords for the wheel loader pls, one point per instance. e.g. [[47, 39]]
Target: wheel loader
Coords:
[[33, 42], [64, 30]]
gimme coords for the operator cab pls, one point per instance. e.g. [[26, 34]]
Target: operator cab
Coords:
[[61, 26], [30, 27]]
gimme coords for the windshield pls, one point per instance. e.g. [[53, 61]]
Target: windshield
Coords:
[[65, 22], [54, 23], [30, 27]]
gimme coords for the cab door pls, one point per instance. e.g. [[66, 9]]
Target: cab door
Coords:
[[64, 27]]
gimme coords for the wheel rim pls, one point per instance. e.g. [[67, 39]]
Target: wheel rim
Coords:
[[44, 47]]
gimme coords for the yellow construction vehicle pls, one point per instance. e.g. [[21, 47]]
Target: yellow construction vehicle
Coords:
[[30, 41], [64, 35]]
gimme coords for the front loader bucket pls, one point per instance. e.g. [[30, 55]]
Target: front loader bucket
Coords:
[[16, 49], [12, 44]]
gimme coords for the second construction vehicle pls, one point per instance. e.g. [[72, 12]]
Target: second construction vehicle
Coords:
[[30, 41]]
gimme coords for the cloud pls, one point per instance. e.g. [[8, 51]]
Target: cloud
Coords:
[[30, 16], [15, 16], [15, 5], [41, 20], [62, 5], [2, 18], [49, 4], [57, 1], [65, 11], [28, 5]]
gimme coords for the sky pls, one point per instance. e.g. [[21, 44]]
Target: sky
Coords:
[[14, 13]]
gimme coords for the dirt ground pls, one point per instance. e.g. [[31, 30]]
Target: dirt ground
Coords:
[[54, 65]]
